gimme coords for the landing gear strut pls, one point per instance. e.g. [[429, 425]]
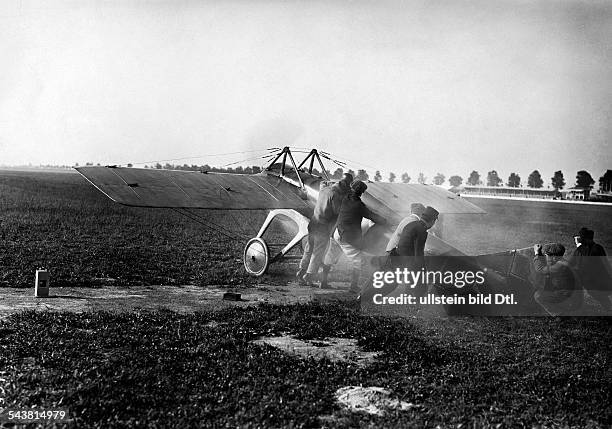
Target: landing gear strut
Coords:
[[257, 256]]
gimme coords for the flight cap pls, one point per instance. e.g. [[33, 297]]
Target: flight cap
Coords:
[[358, 187], [430, 214]]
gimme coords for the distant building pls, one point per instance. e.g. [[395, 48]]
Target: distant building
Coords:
[[504, 191], [605, 183], [605, 189], [581, 194]]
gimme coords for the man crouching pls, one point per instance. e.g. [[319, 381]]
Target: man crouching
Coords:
[[556, 289]]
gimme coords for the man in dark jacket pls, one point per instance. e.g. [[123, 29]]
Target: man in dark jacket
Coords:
[[392, 260], [410, 250], [414, 235], [320, 229], [348, 228], [592, 267], [416, 211]]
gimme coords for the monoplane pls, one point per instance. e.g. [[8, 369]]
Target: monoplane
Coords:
[[288, 189]]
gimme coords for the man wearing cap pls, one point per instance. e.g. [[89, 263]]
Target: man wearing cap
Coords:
[[392, 261], [592, 267], [320, 229], [411, 243], [556, 288], [348, 228], [416, 211], [414, 235]]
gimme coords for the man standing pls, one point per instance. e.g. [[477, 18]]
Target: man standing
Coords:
[[320, 229], [348, 228], [592, 267]]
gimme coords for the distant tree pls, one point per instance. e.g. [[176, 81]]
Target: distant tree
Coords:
[[514, 180], [130, 165], [377, 176], [392, 177], [362, 175], [146, 166], [493, 178], [557, 181], [76, 164], [455, 180], [338, 174], [421, 179], [352, 173], [256, 169], [406, 178], [316, 172], [474, 178], [439, 179], [98, 164], [605, 182], [584, 179], [535, 180], [248, 170]]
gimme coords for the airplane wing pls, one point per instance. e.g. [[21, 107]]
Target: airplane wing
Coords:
[[141, 187], [392, 200]]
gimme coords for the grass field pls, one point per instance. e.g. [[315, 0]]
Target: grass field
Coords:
[[164, 369], [58, 221]]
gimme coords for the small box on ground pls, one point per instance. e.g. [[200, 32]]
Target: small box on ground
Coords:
[[41, 287]]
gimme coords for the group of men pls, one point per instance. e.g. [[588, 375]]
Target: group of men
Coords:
[[335, 228], [559, 283]]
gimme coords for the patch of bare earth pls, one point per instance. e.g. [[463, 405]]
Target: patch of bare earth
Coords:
[[334, 349], [182, 299], [371, 400]]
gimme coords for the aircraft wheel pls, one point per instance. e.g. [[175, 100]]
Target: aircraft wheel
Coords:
[[256, 257]]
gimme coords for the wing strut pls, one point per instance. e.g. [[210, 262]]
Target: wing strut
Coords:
[[312, 156], [286, 153]]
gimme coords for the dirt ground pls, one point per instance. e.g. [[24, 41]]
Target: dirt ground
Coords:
[[183, 299]]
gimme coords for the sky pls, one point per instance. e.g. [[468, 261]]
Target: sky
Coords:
[[403, 86]]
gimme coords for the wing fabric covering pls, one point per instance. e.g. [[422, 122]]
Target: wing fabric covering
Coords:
[[392, 200], [140, 187]]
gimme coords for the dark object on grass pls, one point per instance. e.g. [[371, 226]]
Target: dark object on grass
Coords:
[[232, 296]]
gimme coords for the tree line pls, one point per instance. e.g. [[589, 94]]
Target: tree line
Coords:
[[193, 167], [534, 180]]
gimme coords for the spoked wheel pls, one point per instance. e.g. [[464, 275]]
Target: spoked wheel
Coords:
[[256, 257]]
